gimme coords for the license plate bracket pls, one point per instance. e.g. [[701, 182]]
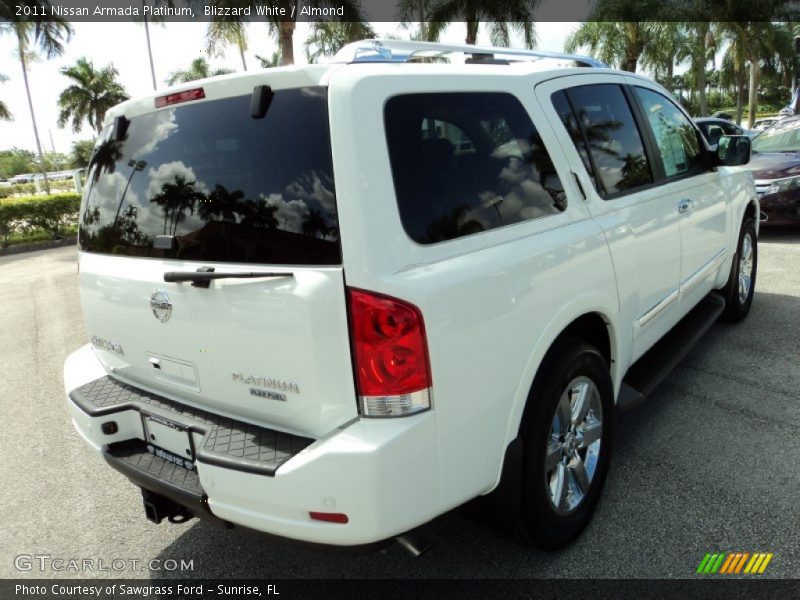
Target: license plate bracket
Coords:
[[173, 438]]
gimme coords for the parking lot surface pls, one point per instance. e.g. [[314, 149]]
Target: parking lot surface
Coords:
[[710, 463]]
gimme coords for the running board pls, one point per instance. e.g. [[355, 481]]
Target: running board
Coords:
[[655, 364]]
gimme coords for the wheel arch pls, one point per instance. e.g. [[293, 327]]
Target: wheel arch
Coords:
[[595, 325]]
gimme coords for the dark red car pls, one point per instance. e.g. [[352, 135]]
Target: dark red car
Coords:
[[775, 164]]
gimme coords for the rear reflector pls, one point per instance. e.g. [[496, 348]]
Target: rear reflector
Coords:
[[178, 97], [391, 355], [329, 517]]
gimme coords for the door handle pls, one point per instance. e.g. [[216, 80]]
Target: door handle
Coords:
[[684, 205]]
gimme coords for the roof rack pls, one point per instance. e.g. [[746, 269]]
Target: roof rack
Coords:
[[401, 51]]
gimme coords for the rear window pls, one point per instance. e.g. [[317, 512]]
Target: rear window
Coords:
[[464, 163], [230, 188]]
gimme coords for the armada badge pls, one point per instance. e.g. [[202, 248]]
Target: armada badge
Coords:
[[160, 305]]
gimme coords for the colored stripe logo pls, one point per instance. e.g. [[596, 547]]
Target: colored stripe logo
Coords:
[[732, 563]]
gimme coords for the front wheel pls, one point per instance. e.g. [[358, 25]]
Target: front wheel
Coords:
[[742, 281], [566, 432]]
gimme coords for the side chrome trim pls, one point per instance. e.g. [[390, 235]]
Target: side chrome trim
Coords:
[[703, 272], [653, 312]]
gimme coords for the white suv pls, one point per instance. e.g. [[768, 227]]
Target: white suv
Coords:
[[332, 302]]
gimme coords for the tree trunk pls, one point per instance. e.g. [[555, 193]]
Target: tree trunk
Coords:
[[701, 90], [739, 99], [241, 53], [629, 64], [670, 74], [472, 32], [286, 36], [752, 98], [33, 116], [150, 51], [423, 34]]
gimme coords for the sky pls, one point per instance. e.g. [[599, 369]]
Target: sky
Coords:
[[175, 45]]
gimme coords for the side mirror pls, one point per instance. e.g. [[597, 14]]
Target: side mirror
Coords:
[[733, 150]]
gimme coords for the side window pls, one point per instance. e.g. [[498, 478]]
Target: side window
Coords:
[[463, 163], [615, 145], [713, 133], [675, 135], [567, 116], [731, 129]]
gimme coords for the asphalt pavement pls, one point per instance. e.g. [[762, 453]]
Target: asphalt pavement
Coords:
[[710, 463]]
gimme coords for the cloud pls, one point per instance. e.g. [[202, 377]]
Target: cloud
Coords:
[[290, 214], [314, 187], [169, 173], [143, 141], [106, 195]]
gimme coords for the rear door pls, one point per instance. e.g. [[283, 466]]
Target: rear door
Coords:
[[201, 185], [640, 225]]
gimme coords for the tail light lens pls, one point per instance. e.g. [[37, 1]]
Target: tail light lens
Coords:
[[391, 355]]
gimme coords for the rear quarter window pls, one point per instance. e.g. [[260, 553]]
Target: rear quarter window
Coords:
[[463, 163]]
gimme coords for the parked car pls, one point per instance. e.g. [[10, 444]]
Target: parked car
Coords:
[[776, 168], [713, 129], [762, 124], [310, 315]]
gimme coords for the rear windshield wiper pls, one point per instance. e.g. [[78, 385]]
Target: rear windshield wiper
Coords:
[[204, 276]]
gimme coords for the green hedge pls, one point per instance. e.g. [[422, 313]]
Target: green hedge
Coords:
[[52, 214], [58, 186]]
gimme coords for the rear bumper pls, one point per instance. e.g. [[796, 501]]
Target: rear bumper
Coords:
[[381, 473]]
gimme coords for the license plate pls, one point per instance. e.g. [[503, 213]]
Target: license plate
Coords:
[[168, 440]]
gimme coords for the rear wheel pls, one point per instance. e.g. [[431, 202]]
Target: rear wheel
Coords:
[[566, 432], [742, 281]]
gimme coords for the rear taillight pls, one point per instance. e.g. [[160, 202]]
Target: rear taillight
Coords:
[[178, 97], [391, 355]]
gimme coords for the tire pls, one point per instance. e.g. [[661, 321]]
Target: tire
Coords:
[[739, 289], [557, 456]]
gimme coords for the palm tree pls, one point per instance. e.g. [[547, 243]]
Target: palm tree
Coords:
[[145, 20], [748, 42], [5, 114], [221, 34], [700, 47], [92, 93], [284, 29], [617, 43], [501, 17], [199, 69], [273, 61], [327, 37], [668, 46], [48, 36]]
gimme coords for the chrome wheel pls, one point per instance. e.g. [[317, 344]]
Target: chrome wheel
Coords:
[[573, 447], [745, 267]]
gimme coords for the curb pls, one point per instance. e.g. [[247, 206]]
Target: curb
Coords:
[[33, 246]]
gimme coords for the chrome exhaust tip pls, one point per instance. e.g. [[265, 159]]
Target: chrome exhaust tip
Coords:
[[762, 217], [414, 542]]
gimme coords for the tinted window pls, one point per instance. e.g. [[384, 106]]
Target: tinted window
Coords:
[[567, 116], [229, 187], [465, 163], [675, 135], [614, 141]]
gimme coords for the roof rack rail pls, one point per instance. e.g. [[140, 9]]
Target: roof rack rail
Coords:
[[381, 50]]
